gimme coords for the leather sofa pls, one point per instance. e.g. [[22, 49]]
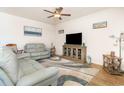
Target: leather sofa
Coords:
[[23, 71], [37, 50]]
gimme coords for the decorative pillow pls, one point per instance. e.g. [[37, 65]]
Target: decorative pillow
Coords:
[[8, 62]]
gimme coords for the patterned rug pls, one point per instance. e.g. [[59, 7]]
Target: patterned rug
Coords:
[[71, 73]]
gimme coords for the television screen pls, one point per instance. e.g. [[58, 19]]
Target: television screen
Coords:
[[74, 38]]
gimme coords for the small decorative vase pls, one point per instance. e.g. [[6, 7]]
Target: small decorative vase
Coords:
[[83, 44], [89, 60]]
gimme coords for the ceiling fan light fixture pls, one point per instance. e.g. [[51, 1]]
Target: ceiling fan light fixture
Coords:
[[57, 15]]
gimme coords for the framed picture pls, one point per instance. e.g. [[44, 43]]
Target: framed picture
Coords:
[[61, 31], [100, 25], [32, 31]]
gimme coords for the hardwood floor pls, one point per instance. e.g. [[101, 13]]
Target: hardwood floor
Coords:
[[105, 79]]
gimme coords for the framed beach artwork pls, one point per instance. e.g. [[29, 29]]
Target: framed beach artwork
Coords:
[[99, 25], [61, 31], [32, 31]]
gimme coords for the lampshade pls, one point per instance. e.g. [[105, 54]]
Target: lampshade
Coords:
[[57, 15], [112, 36]]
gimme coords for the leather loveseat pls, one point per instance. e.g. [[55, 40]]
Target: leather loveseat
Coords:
[[37, 50]]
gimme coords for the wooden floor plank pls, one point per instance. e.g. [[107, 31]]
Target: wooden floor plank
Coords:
[[105, 79]]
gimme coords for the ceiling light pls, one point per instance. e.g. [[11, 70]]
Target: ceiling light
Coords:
[[57, 15]]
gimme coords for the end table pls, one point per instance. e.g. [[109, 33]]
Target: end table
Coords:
[[112, 64], [53, 51]]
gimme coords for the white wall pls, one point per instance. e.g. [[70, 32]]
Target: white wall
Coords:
[[11, 31], [97, 40]]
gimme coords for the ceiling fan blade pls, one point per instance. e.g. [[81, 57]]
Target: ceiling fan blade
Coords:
[[59, 9], [50, 16], [49, 11], [60, 18], [66, 14]]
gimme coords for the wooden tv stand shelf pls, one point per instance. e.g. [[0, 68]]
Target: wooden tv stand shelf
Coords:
[[76, 53]]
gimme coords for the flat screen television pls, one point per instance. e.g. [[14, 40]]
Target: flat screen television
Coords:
[[75, 38]]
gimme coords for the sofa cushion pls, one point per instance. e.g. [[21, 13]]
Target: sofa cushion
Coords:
[[40, 45], [35, 54], [8, 62], [38, 76], [44, 53], [39, 53], [20, 72], [34, 47], [29, 66], [4, 79]]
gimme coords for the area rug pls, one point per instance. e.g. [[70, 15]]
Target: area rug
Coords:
[[77, 74], [71, 73], [63, 63]]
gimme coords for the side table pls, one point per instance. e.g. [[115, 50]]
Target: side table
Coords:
[[53, 51], [112, 64]]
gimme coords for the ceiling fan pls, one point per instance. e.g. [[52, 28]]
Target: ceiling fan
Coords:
[[57, 13]]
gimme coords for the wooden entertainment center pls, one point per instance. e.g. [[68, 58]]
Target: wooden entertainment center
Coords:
[[76, 53]]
